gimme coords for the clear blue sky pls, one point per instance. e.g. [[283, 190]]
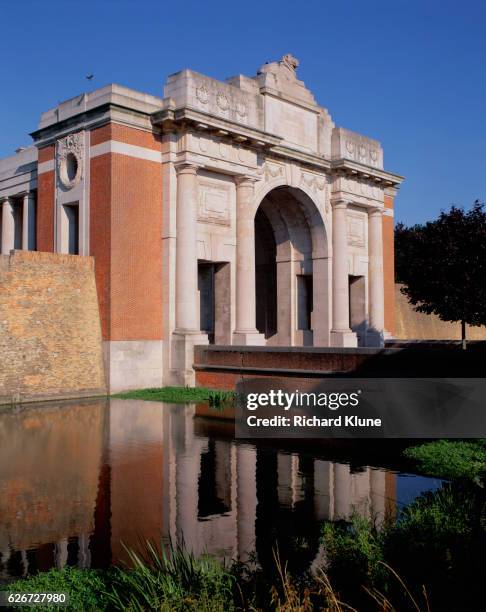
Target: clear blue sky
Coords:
[[410, 73]]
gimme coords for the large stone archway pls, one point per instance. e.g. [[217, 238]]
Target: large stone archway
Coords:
[[291, 270], [272, 217]]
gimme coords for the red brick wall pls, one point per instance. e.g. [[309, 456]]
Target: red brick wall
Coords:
[[126, 236], [136, 249], [100, 233], [389, 267], [123, 133], [45, 203]]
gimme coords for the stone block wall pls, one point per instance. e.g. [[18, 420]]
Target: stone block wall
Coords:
[[412, 325], [50, 333]]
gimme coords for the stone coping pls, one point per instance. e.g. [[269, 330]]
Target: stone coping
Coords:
[[20, 399], [326, 350]]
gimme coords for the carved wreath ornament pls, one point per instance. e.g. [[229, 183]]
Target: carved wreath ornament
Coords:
[[70, 159], [241, 109], [222, 101], [202, 94]]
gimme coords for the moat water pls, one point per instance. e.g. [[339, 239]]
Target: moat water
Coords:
[[80, 479]]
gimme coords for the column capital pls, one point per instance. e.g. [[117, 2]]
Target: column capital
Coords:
[[4, 199], [340, 204], [27, 193], [375, 211], [245, 180], [186, 167]]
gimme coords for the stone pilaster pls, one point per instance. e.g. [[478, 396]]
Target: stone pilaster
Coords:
[[341, 334], [245, 331], [374, 336], [8, 226]]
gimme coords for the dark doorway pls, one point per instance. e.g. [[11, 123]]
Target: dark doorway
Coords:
[[214, 284], [357, 307], [304, 301], [72, 228], [265, 276], [205, 285]]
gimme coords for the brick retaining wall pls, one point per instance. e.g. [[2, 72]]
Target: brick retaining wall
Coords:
[[221, 367]]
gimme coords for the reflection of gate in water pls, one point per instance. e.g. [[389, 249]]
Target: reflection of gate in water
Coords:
[[77, 480]]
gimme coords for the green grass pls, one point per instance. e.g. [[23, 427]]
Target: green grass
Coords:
[[451, 459], [436, 541], [87, 588], [176, 581], [181, 395], [173, 581]]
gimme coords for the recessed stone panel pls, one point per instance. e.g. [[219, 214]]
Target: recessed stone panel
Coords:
[[213, 204]]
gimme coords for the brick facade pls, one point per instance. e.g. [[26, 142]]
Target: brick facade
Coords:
[[124, 193], [46, 202], [136, 249]]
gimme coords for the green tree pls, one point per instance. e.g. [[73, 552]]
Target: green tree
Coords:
[[442, 265]]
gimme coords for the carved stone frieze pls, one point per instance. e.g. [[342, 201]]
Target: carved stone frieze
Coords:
[[270, 170], [313, 181], [365, 154], [359, 187], [317, 184]]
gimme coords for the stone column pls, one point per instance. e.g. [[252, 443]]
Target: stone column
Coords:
[[374, 336], [245, 331], [246, 501], [341, 334], [186, 249], [61, 553], [28, 222], [342, 501], [377, 495], [323, 489], [188, 450], [187, 331], [8, 226]]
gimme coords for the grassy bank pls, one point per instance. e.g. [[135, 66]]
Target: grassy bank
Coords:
[[180, 395], [452, 459]]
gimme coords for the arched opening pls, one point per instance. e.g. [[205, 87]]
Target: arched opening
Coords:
[[291, 270]]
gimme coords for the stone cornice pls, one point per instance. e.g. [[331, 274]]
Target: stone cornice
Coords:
[[187, 118], [362, 171], [171, 119], [317, 162], [90, 119]]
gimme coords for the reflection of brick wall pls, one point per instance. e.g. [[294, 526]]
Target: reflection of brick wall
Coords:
[[50, 467], [50, 338]]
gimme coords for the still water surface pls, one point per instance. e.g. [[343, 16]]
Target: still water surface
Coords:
[[78, 479]]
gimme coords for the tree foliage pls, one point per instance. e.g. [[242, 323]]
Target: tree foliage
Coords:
[[442, 265]]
